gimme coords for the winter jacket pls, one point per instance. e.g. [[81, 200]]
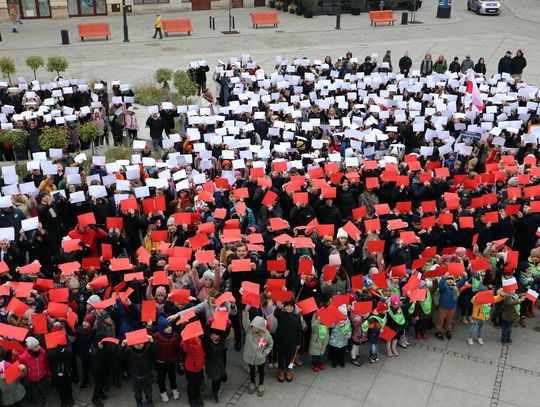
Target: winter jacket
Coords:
[[259, 345], [517, 65], [193, 355], [320, 336], [466, 65], [60, 360], [38, 367], [448, 298], [505, 65], [139, 362], [167, 347], [289, 332], [90, 238], [510, 313], [478, 309], [340, 333], [215, 355]]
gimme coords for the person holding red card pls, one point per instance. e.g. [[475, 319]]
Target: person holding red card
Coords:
[[288, 336], [60, 356], [215, 349], [13, 392], [373, 326], [320, 336], [480, 314], [193, 357], [36, 361], [165, 362], [422, 311], [139, 351], [339, 338]]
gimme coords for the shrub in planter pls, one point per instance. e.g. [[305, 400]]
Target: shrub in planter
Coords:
[[53, 137], [309, 6], [356, 5], [88, 133], [57, 64], [18, 139]]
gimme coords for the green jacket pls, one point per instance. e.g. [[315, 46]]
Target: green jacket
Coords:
[[318, 342]]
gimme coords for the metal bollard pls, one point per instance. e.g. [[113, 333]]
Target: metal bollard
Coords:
[[404, 18], [232, 18], [0, 37], [338, 21], [213, 23], [65, 37]]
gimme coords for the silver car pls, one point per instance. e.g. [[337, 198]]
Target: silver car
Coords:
[[484, 6]]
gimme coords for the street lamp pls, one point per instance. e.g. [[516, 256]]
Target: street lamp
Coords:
[[124, 15]]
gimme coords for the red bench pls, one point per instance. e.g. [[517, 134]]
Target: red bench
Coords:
[[93, 30], [384, 16], [180, 25], [266, 17]]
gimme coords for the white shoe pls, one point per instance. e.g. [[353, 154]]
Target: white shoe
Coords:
[[465, 320], [470, 341], [175, 394], [480, 341], [164, 396], [471, 319]]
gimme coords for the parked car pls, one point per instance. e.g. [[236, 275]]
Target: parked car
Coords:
[[484, 6]]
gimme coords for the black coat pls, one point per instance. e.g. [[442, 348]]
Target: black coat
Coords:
[[139, 362], [215, 355], [156, 127], [518, 64], [289, 331], [505, 65]]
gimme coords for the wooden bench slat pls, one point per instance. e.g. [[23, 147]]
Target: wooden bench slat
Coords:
[[264, 17], [179, 25], [382, 16], [93, 30]]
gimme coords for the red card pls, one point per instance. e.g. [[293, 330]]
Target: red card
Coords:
[[281, 295], [408, 237], [481, 263], [429, 206], [396, 224], [12, 332], [300, 197], [418, 295], [387, 334], [220, 320], [269, 198], [178, 263], [399, 271], [329, 272], [148, 310], [305, 266], [57, 310], [252, 299], [54, 339], [160, 278], [225, 297], [106, 251], [180, 296], [13, 372], [357, 282], [31, 268], [159, 235], [114, 223], [39, 324], [71, 245], [127, 204], [241, 265], [198, 241], [17, 307], [120, 264], [276, 265], [88, 262], [382, 209], [359, 213], [279, 166], [307, 306], [134, 276], [363, 307], [59, 294], [99, 282], [278, 224], [137, 337], [152, 205], [273, 284], [186, 317], [192, 330], [485, 297], [351, 229], [329, 315], [342, 299], [375, 246], [372, 225], [205, 256], [112, 340], [328, 192], [86, 219], [241, 193], [380, 280]]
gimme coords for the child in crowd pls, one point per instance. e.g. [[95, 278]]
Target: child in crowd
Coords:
[[373, 326], [480, 315], [320, 336], [258, 345], [339, 338]]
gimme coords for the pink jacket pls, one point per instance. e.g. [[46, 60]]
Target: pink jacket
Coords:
[[38, 368]]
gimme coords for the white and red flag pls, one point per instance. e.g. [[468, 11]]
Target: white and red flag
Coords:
[[472, 90]]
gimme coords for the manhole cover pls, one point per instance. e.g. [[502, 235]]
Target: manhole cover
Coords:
[[169, 49], [536, 329], [279, 31], [152, 44], [229, 32]]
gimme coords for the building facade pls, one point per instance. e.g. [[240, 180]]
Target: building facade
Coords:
[[31, 9]]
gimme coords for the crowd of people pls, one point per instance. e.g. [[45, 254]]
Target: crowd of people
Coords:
[[320, 213]]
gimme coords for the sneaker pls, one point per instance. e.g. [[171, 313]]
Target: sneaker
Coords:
[[448, 335], [395, 352], [260, 391], [439, 335], [175, 394], [424, 336], [215, 398], [418, 337], [465, 320], [376, 358], [315, 368], [509, 341], [372, 359], [480, 341], [470, 319], [164, 396], [252, 388], [470, 341], [356, 362], [321, 366], [389, 353]]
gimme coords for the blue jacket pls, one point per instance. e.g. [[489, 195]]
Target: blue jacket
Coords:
[[446, 299]]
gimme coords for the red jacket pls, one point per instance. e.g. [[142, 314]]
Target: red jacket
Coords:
[[167, 347], [38, 368], [193, 355], [90, 238]]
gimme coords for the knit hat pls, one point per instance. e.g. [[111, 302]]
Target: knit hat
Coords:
[[161, 291], [170, 221], [482, 287], [31, 342], [395, 300], [90, 319], [162, 324], [208, 275], [341, 233], [93, 299], [382, 306], [105, 314]]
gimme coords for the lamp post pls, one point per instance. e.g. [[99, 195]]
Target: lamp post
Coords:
[[124, 15], [338, 16]]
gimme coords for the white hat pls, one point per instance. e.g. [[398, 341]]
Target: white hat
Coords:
[[93, 299], [31, 342], [341, 233]]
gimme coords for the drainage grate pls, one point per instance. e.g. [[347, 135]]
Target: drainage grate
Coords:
[[229, 32]]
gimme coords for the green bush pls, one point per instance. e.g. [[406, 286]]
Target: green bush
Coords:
[[53, 137], [57, 64], [34, 63], [89, 131], [17, 138], [149, 94], [163, 75], [184, 84], [7, 67]]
